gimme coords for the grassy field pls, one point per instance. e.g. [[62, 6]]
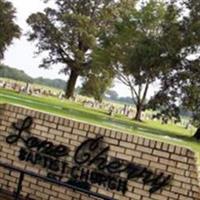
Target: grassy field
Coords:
[[150, 129]]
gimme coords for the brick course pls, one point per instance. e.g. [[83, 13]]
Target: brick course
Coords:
[[157, 156]]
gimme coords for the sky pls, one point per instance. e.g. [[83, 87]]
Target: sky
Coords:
[[21, 55]]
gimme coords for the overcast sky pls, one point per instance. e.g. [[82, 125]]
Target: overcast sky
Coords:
[[21, 53]]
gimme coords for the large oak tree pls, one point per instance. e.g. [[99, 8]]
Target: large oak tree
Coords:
[[69, 32]]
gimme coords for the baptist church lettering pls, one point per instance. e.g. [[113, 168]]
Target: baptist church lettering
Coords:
[[90, 164], [91, 153]]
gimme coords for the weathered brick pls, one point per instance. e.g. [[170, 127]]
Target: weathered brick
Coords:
[[149, 157], [55, 132], [79, 132], [179, 158], [176, 170], [41, 128], [182, 179], [141, 161], [111, 141], [117, 149], [127, 145], [42, 195], [156, 156], [161, 154], [124, 157], [143, 149], [158, 165]]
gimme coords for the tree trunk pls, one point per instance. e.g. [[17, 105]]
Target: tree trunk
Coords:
[[140, 103], [71, 84], [138, 112]]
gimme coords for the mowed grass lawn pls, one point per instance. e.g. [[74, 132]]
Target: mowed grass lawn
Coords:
[[150, 129]]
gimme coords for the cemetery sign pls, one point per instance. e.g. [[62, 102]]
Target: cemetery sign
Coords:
[[90, 166]]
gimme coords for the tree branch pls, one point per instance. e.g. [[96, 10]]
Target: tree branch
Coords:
[[145, 91], [126, 81]]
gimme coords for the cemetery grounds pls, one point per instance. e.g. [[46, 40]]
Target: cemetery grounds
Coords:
[[170, 133]]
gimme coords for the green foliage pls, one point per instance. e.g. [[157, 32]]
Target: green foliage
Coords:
[[166, 111], [69, 32], [188, 82], [141, 48], [182, 84], [96, 85], [112, 94], [9, 30]]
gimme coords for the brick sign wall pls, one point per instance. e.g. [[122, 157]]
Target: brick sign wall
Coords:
[[112, 163]]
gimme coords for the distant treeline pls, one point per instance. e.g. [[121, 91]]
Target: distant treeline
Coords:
[[19, 75], [114, 96]]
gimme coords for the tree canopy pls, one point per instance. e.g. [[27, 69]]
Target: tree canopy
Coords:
[[141, 48], [8, 28], [103, 39], [69, 32], [96, 85], [181, 86]]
